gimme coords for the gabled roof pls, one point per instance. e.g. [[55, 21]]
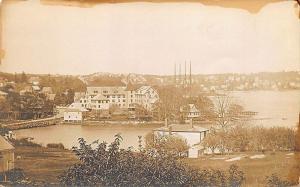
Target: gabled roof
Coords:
[[188, 108], [144, 89], [182, 128], [4, 144], [73, 110], [35, 87], [47, 89], [2, 93], [100, 97]]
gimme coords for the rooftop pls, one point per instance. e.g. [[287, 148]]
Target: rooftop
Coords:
[[4, 144], [3, 93], [99, 97], [73, 110]]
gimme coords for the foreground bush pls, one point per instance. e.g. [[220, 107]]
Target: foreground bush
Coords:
[[13, 175], [275, 181], [108, 165], [55, 145]]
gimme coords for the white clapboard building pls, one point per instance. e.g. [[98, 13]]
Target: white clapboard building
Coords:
[[193, 135]]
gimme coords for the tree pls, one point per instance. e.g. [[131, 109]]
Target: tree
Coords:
[[60, 99], [24, 78], [297, 137], [222, 107], [168, 144], [170, 100], [238, 138], [4, 105], [70, 96], [211, 141], [227, 112]]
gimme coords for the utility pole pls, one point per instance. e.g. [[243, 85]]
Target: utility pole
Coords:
[[185, 74], [190, 78], [179, 74], [175, 78]]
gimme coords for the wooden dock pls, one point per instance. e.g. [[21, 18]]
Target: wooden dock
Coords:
[[32, 123]]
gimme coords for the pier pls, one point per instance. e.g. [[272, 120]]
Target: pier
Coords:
[[32, 123]]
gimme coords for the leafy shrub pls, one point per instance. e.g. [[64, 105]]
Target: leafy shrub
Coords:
[[13, 175], [25, 142], [55, 145], [275, 181], [108, 165]]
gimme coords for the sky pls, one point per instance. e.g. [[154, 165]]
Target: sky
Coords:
[[149, 38]]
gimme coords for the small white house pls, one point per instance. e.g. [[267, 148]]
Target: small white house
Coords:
[[190, 111], [191, 133], [73, 115], [3, 94]]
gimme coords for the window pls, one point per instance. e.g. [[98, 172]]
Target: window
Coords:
[[95, 91], [113, 100], [124, 100]]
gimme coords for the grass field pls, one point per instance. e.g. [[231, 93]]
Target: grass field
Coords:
[[284, 164], [44, 164]]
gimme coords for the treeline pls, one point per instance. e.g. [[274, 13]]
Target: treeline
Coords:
[[60, 84], [242, 138], [27, 106], [34, 104], [171, 99]]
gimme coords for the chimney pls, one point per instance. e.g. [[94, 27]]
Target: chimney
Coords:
[[191, 123]]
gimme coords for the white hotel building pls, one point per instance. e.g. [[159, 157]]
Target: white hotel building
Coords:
[[102, 97]]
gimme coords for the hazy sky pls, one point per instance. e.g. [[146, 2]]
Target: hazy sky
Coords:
[[148, 38]]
